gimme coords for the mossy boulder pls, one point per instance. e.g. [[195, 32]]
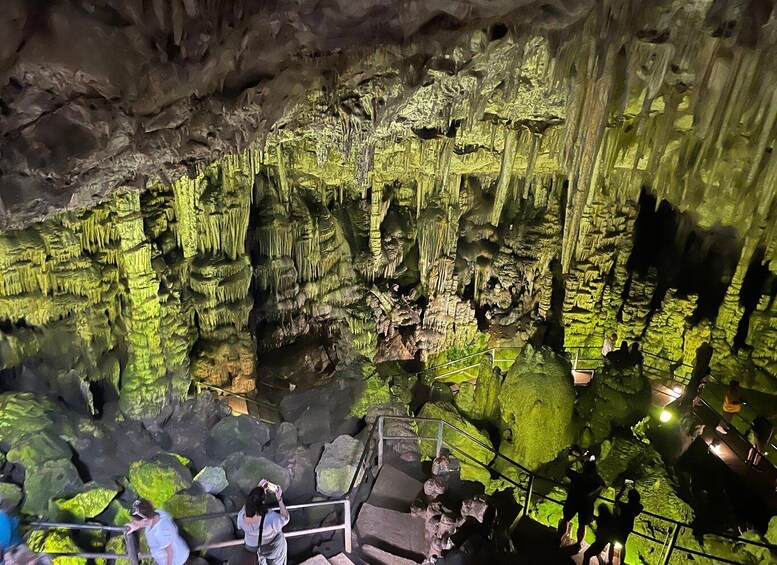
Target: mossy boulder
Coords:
[[338, 465], [92, 500], [536, 405], [447, 412], [614, 398], [117, 513], [158, 478], [22, 413], [376, 391], [38, 447], [11, 492], [487, 391], [201, 531], [237, 434], [55, 541], [246, 471], [51, 479]]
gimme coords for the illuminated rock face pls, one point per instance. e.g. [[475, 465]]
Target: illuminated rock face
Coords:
[[427, 190]]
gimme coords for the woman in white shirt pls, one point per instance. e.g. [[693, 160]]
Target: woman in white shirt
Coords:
[[166, 545], [264, 528]]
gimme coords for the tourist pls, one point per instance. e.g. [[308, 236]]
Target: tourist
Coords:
[[10, 536], [583, 490], [263, 528], [635, 352], [605, 531], [762, 430], [625, 515], [165, 544], [609, 345], [732, 404]]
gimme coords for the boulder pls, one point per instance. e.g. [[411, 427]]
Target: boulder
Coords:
[[237, 434], [314, 424], [158, 478], [615, 398], [200, 531], [92, 500], [536, 405], [55, 541], [246, 472], [212, 480], [46, 481], [38, 447], [337, 466], [447, 412], [11, 492], [23, 413]]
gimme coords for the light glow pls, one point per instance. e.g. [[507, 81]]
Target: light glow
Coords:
[[665, 416], [716, 449]]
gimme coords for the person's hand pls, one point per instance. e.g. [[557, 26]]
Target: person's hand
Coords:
[[133, 526]]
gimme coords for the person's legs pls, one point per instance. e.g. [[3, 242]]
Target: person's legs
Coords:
[[593, 550], [585, 516], [569, 513], [725, 422]]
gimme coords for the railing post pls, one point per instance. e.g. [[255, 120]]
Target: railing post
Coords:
[[132, 548], [347, 530], [439, 438], [577, 357], [529, 490], [380, 442], [672, 543]]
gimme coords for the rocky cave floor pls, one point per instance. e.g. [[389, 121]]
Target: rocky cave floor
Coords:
[[197, 458]]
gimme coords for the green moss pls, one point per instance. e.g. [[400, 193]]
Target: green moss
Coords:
[[159, 478], [201, 531], [46, 481], [38, 447], [376, 391], [11, 492], [91, 501], [55, 541], [460, 444]]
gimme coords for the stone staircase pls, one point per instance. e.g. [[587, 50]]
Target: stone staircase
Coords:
[[385, 532]]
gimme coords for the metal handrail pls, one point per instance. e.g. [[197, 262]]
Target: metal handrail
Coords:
[[677, 525], [681, 380], [134, 556]]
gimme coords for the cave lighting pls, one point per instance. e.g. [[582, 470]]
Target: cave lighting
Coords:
[[716, 449], [665, 416]]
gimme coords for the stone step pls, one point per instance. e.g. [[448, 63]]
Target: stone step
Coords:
[[394, 532], [316, 560], [394, 489], [341, 559], [376, 556]]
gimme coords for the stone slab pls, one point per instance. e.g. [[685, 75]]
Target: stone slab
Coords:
[[376, 556], [394, 489], [395, 532]]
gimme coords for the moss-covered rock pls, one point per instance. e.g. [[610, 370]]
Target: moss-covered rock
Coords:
[[159, 478], [117, 513], [536, 404], [51, 479], [11, 492], [55, 541], [487, 391], [246, 471], [23, 413], [92, 500], [376, 390], [236, 434], [38, 447], [615, 398], [338, 465], [459, 443], [201, 531]]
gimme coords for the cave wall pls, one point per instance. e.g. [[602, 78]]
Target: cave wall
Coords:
[[412, 201]]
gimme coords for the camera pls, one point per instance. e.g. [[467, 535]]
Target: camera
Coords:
[[271, 487]]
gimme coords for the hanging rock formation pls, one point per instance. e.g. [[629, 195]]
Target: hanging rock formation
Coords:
[[388, 178]]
